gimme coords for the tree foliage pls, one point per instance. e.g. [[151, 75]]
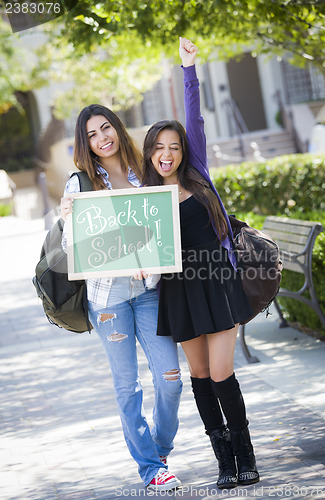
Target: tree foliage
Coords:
[[223, 26], [115, 75], [111, 49], [19, 69], [134, 34]]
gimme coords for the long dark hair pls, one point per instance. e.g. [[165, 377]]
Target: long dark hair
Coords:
[[84, 158], [189, 178]]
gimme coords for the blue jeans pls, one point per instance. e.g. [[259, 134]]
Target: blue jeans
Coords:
[[131, 313]]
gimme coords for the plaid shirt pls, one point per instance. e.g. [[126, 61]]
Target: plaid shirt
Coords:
[[98, 289]]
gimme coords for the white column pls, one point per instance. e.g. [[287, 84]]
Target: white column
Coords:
[[221, 91], [271, 80]]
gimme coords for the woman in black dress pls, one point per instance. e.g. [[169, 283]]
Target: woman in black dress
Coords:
[[202, 306]]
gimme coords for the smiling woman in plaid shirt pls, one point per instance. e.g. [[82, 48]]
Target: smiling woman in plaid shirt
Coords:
[[125, 309]]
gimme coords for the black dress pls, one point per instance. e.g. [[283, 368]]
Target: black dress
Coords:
[[207, 296]]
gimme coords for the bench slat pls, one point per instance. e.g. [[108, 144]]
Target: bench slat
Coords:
[[289, 246], [280, 236], [286, 228], [292, 236], [292, 222], [292, 266]]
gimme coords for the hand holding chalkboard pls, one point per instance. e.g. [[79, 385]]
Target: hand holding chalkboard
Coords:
[[66, 207]]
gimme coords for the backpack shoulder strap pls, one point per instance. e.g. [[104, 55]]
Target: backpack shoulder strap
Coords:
[[53, 238], [85, 182]]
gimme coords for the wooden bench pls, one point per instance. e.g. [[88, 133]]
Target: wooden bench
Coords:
[[296, 240]]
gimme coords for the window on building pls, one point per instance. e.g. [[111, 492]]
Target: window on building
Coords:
[[302, 84], [153, 105]]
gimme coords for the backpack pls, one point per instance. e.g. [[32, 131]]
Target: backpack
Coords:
[[64, 302], [258, 263]]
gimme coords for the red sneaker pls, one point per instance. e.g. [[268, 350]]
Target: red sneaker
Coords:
[[163, 481], [163, 459]]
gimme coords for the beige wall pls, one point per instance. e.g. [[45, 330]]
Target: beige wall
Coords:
[[60, 168], [24, 178]]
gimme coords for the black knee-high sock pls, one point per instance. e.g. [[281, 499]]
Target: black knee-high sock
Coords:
[[207, 404], [232, 403]]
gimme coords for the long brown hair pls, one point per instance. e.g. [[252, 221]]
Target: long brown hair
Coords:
[[189, 178], [84, 158]]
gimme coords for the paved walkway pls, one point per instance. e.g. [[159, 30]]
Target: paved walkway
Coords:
[[60, 433]]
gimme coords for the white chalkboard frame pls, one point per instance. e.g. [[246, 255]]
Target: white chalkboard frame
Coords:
[[91, 195]]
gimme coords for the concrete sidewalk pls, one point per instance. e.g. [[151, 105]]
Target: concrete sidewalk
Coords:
[[61, 436]]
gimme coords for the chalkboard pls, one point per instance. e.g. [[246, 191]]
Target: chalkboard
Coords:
[[120, 231]]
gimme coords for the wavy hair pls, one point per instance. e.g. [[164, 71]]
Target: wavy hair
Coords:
[[84, 158], [189, 178]]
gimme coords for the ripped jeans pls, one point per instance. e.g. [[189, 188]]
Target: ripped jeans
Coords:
[[131, 313]]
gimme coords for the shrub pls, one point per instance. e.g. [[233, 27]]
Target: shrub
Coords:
[[5, 210], [285, 186], [282, 185], [18, 164]]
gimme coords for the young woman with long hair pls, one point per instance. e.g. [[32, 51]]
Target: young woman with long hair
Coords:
[[124, 309], [202, 306]]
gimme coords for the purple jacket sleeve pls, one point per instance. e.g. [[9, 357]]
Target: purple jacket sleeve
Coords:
[[197, 156], [194, 121]]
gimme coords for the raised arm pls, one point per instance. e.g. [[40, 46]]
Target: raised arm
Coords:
[[197, 156], [194, 121]]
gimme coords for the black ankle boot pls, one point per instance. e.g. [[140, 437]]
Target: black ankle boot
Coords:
[[221, 445], [243, 450]]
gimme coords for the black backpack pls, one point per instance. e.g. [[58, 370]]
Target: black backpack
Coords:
[[259, 265], [64, 302]]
